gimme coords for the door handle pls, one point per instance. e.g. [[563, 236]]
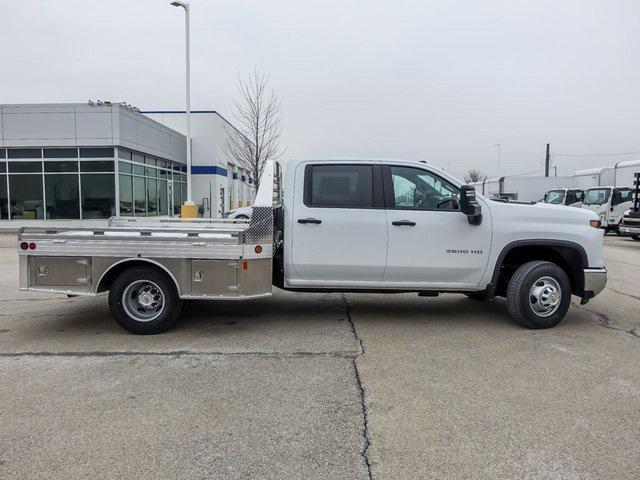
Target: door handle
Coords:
[[309, 220], [404, 223]]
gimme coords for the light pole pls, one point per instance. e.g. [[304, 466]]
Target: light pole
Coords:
[[189, 209], [499, 156]]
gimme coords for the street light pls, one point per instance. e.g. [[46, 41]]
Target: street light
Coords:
[[189, 209], [499, 156]]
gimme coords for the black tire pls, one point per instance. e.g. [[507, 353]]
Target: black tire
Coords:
[[242, 217], [478, 296], [617, 230], [522, 299], [159, 291], [636, 237]]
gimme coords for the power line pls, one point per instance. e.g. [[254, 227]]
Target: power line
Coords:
[[636, 152]]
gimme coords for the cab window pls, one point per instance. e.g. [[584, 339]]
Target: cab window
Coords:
[[555, 197], [620, 196], [597, 196], [339, 186], [417, 189]]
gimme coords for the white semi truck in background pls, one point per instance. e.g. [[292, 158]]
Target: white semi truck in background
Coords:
[[383, 226]]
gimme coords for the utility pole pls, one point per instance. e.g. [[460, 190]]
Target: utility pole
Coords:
[[546, 162], [499, 158]]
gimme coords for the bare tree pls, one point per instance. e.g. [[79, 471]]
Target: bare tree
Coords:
[[259, 126], [475, 175]]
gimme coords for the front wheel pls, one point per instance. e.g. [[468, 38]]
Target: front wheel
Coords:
[[144, 301], [539, 294], [636, 237]]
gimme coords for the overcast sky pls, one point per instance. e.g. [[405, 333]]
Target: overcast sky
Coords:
[[436, 80]]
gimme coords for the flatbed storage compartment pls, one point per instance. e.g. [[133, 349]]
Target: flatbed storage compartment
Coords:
[[46, 271]]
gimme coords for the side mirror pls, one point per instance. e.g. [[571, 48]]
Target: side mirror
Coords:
[[469, 205]]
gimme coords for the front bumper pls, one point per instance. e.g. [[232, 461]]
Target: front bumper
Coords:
[[627, 230], [595, 280]]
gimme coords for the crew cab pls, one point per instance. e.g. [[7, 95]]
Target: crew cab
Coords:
[[384, 226], [571, 197], [609, 203]]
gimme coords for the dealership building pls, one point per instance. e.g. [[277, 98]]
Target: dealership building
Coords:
[[93, 161]]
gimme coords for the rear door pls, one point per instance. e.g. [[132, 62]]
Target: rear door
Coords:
[[431, 243], [339, 227]]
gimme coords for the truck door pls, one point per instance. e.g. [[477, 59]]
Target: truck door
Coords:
[[620, 202], [339, 228], [431, 243]]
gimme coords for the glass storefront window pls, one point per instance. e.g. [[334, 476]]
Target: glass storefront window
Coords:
[[25, 167], [152, 197], [60, 153], [124, 153], [26, 196], [24, 153], [70, 166], [139, 197], [162, 198], [96, 152], [138, 170], [126, 195], [98, 195], [96, 166], [4, 209], [176, 198], [62, 196], [183, 195], [124, 167]]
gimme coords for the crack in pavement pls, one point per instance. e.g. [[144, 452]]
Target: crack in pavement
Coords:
[[635, 297], [366, 433], [605, 321]]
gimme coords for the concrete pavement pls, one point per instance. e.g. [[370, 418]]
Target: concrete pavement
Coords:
[[322, 386]]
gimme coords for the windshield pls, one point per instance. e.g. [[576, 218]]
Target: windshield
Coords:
[[555, 196], [597, 196]]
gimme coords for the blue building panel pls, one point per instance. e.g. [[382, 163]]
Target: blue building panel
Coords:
[[208, 170]]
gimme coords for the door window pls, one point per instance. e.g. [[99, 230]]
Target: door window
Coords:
[[574, 196], [620, 196], [555, 197], [339, 186], [417, 189]]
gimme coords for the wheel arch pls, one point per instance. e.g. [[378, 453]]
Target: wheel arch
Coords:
[[570, 256], [110, 274]]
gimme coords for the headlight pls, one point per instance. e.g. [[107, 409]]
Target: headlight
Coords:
[[595, 223]]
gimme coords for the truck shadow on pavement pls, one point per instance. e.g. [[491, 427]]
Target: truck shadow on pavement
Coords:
[[315, 311]]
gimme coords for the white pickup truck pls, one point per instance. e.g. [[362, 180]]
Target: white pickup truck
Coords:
[[331, 226]]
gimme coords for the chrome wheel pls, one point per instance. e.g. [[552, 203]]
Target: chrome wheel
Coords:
[[545, 296], [143, 300]]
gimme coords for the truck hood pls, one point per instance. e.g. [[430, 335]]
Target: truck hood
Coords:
[[542, 212], [595, 208]]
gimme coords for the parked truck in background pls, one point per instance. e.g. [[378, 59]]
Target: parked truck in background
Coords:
[[383, 226], [571, 197], [609, 203], [520, 188], [630, 225]]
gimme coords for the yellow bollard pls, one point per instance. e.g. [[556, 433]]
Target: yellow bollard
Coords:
[[189, 210]]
